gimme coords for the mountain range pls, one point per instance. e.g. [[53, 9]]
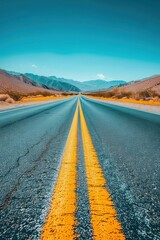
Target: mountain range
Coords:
[[69, 85], [17, 85]]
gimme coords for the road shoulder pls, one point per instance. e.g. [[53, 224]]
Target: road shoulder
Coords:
[[137, 106]]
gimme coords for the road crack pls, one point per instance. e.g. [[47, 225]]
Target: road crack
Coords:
[[27, 173], [20, 157]]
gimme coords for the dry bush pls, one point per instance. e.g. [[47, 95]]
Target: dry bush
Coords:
[[115, 93], [109, 94], [45, 93], [121, 94], [64, 94], [18, 96], [97, 94], [156, 99], [4, 97], [101, 94], [147, 94], [10, 100]]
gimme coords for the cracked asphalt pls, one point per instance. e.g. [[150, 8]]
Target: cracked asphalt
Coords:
[[32, 145], [32, 141], [127, 142]]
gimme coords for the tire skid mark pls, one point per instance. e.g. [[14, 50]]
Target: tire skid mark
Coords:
[[103, 214]]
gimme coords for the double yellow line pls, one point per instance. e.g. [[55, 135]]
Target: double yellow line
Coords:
[[61, 220]]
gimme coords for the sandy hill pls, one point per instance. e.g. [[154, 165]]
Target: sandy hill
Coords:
[[151, 84], [148, 89], [17, 86]]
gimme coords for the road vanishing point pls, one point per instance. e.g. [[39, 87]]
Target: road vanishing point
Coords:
[[79, 168]]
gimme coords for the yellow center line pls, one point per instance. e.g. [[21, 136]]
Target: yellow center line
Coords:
[[103, 214], [61, 220]]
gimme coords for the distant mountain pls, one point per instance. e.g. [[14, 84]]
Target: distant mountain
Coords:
[[52, 83], [13, 73], [81, 85], [70, 85], [92, 85], [17, 86], [102, 85]]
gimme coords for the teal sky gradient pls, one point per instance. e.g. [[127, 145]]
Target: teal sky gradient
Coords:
[[81, 39]]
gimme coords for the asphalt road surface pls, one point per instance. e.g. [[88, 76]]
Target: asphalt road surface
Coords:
[[79, 168]]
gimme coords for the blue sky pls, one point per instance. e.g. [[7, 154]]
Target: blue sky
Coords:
[[83, 40]]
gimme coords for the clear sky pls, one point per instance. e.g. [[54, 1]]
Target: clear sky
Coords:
[[81, 39]]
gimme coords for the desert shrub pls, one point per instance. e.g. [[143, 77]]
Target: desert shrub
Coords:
[[147, 94], [115, 93], [64, 94], [108, 94], [156, 99], [16, 95], [129, 94], [10, 100], [4, 97], [99, 94], [45, 94], [123, 94]]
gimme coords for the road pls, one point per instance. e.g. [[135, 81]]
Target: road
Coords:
[[79, 168]]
